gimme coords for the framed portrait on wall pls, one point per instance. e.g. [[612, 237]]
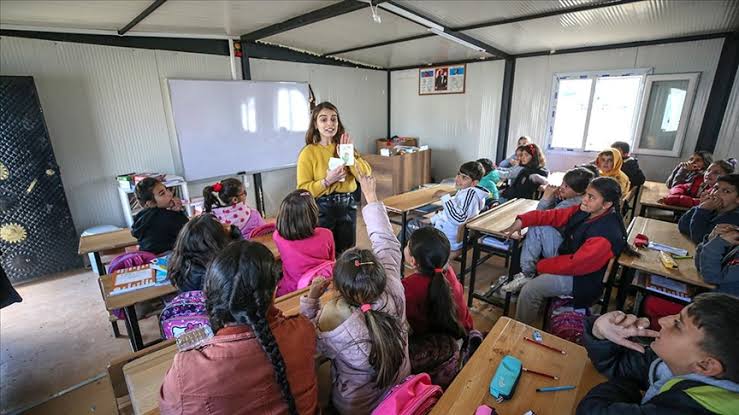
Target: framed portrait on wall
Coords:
[[449, 79]]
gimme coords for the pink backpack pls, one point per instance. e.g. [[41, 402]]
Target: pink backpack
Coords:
[[416, 395], [564, 321], [261, 230]]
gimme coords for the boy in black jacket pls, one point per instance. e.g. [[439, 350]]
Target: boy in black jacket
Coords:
[[631, 165], [691, 368]]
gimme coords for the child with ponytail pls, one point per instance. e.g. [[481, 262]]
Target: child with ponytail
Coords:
[[433, 295], [259, 360], [437, 313], [227, 201], [593, 233], [363, 331]]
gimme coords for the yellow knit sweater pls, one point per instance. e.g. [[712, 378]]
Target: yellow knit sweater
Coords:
[[313, 167]]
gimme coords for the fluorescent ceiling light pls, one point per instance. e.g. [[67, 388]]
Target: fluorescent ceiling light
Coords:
[[457, 40], [410, 15]]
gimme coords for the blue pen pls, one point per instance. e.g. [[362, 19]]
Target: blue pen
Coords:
[[555, 388]]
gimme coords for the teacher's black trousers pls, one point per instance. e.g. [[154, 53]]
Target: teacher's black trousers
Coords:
[[338, 212]]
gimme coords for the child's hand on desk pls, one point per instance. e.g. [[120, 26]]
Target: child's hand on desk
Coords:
[[514, 231], [439, 193], [318, 286], [618, 327]]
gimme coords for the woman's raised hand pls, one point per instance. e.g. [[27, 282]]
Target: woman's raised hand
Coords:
[[345, 139]]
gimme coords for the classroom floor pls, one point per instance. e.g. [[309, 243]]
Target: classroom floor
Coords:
[[60, 336]]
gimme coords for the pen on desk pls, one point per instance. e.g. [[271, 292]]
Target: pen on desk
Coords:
[[544, 345], [555, 388], [527, 370]]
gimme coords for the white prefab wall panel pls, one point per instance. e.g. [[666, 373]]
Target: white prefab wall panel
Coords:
[[108, 112], [103, 109], [459, 127], [728, 138], [532, 89]]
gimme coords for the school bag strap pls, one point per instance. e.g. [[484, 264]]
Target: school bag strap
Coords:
[[713, 398]]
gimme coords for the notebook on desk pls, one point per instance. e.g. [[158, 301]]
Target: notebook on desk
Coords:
[[134, 278], [668, 287]]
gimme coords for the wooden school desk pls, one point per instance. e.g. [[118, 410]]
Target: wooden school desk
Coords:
[[407, 202], [144, 375], [92, 245], [649, 195], [493, 223], [665, 233], [127, 301], [471, 388]]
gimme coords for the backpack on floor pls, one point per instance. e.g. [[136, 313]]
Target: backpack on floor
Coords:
[[184, 313], [564, 321], [416, 395], [437, 355]]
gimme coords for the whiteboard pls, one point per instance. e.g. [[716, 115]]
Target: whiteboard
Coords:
[[229, 127]]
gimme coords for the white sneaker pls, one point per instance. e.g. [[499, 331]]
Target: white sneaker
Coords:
[[519, 280]]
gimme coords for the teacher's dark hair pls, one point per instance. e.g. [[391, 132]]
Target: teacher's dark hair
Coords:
[[312, 136], [239, 288]]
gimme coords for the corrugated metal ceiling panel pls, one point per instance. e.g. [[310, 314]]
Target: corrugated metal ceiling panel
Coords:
[[417, 52], [463, 13], [347, 31], [91, 15], [215, 17], [631, 22]]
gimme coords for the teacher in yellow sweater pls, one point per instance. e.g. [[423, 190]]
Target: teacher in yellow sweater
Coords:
[[337, 209]]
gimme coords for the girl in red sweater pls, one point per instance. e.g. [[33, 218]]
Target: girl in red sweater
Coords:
[[435, 307], [690, 194], [306, 249]]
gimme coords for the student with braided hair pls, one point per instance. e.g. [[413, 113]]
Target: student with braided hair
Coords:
[[259, 361]]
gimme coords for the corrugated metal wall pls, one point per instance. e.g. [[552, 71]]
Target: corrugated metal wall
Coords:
[[107, 110], [459, 127], [728, 138], [533, 83]]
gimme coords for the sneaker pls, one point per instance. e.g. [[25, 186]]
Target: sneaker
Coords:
[[518, 281]]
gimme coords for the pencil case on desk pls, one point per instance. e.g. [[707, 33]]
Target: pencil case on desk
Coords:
[[667, 260], [506, 378]]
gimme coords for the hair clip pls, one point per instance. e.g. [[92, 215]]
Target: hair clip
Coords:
[[305, 194], [218, 187], [365, 307], [359, 264]]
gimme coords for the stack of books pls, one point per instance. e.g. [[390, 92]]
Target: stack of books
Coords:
[[668, 287]]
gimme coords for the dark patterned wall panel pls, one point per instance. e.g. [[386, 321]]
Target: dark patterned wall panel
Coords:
[[37, 236]]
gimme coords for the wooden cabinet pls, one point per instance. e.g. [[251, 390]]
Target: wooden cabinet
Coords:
[[400, 173]]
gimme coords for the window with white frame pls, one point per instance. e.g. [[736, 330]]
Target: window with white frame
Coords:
[[590, 110]]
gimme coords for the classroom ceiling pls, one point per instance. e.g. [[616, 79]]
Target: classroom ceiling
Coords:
[[592, 23]]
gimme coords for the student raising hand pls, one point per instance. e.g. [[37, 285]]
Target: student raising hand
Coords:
[[618, 327], [368, 185]]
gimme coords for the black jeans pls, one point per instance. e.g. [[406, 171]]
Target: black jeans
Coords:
[[338, 212]]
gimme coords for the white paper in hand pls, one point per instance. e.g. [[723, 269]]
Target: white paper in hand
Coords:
[[333, 163]]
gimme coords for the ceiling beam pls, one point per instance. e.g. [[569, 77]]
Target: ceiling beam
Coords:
[[447, 30], [585, 7], [315, 16], [149, 10]]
